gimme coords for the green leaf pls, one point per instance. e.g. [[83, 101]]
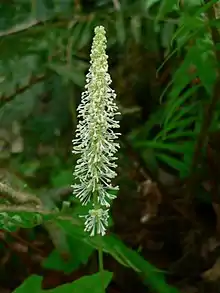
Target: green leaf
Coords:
[[93, 283], [174, 104], [86, 284], [172, 162], [32, 283], [178, 126], [166, 7], [184, 134], [193, 2], [152, 276], [175, 147], [143, 132], [205, 7], [179, 119], [113, 246], [205, 65], [64, 177], [78, 253], [11, 221], [182, 77], [58, 237]]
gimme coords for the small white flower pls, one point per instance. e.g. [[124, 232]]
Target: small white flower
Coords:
[[95, 137], [96, 222]]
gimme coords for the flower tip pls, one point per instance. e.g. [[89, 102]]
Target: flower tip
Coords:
[[99, 29]]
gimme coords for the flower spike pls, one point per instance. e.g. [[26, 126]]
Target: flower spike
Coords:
[[95, 139]]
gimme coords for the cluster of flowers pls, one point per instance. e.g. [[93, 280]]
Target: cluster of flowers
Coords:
[[95, 139]]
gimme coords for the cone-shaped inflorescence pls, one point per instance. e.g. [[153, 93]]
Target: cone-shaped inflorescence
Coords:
[[95, 139]]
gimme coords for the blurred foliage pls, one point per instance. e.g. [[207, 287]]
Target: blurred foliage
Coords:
[[162, 58]]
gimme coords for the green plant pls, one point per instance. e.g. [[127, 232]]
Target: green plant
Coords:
[[57, 68], [41, 80], [191, 107]]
